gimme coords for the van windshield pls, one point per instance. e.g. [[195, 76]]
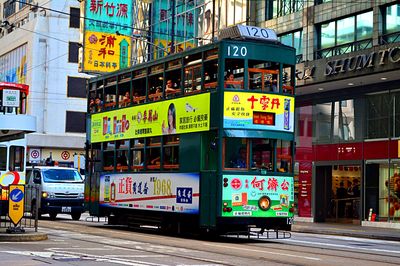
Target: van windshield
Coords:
[[61, 175]]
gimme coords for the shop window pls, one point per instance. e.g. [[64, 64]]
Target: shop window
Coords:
[[17, 158], [236, 153]]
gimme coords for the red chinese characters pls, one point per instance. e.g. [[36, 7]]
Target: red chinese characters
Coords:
[[272, 183], [97, 6], [265, 102]]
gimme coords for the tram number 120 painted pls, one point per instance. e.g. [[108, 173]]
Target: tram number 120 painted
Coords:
[[239, 51]]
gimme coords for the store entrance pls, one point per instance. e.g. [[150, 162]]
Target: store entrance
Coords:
[[338, 193]]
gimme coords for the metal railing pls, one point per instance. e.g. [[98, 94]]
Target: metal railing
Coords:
[[343, 49], [30, 217]]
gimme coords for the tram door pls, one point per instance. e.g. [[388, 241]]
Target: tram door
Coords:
[[323, 193]]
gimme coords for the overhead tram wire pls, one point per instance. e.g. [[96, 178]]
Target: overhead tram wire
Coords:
[[104, 22]]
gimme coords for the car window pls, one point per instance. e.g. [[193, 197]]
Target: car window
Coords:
[[61, 175]]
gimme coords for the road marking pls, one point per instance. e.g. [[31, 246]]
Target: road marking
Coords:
[[263, 251], [341, 246], [136, 256], [347, 238]]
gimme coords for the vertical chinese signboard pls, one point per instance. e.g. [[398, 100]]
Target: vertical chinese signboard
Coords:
[[107, 41]]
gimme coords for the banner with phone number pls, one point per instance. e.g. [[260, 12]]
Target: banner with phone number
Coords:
[[177, 116], [177, 192], [257, 196]]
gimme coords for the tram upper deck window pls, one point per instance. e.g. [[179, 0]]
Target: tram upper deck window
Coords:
[[263, 76], [234, 74], [288, 79]]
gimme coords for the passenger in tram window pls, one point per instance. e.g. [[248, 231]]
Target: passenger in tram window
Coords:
[[171, 120], [92, 105], [169, 88], [99, 104], [240, 161], [230, 78]]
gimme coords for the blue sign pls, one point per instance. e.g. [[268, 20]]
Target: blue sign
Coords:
[[16, 195], [184, 195]]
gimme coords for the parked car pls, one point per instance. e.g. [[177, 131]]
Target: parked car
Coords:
[[61, 190]]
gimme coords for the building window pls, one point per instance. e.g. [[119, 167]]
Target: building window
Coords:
[[22, 3], [73, 51], [295, 40], [391, 24], [377, 112], [74, 17], [318, 2], [279, 8], [76, 87], [9, 8], [75, 122], [345, 35]]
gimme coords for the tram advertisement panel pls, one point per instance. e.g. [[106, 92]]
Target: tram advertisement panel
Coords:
[[178, 192], [177, 116], [244, 110], [257, 196]]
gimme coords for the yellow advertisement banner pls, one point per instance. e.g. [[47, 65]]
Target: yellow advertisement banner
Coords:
[[106, 52], [16, 203], [248, 110], [177, 116]]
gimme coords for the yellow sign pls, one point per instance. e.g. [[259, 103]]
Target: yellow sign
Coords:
[[106, 52], [16, 203], [243, 110], [177, 116]]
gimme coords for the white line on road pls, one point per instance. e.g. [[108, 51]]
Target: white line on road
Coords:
[[262, 251], [341, 246]]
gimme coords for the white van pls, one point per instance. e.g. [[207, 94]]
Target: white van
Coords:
[[62, 191]]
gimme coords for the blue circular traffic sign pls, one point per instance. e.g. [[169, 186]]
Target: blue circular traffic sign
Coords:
[[16, 195]]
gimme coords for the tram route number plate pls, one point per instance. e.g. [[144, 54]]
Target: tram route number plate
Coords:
[[289, 220], [65, 209]]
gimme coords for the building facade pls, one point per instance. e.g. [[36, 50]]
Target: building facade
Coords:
[[348, 130], [39, 47]]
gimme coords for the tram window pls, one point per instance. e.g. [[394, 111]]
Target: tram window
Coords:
[[153, 156], [171, 139], [138, 142], [284, 156], [3, 158], [210, 74], [155, 85], [171, 157], [236, 153], [236, 68], [192, 81], [263, 76], [108, 160], [262, 154], [109, 145], [139, 90], [16, 161], [137, 156], [287, 80]]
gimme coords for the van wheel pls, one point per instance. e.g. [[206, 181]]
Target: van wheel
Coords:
[[53, 215], [33, 210], [76, 216]]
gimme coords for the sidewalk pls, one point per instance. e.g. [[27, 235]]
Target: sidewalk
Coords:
[[347, 230]]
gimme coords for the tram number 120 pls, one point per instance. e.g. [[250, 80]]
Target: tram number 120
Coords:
[[234, 50]]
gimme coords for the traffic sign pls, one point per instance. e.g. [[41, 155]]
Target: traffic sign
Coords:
[[16, 203], [34, 155]]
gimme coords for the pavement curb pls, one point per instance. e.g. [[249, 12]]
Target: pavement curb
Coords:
[[4, 237], [344, 233]]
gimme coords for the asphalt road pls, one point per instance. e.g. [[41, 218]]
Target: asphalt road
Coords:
[[89, 243]]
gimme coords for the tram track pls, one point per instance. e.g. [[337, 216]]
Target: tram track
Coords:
[[252, 248]]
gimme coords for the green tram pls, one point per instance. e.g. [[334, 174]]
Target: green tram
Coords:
[[203, 139]]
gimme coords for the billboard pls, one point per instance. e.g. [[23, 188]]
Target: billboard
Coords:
[[172, 192], [107, 36], [257, 196], [246, 110], [176, 116]]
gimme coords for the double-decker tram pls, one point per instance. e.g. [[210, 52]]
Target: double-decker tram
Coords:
[[203, 139]]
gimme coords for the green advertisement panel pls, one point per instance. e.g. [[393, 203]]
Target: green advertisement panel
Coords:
[[177, 116], [257, 196]]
